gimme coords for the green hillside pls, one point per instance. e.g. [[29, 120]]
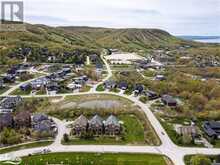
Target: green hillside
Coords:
[[89, 38]]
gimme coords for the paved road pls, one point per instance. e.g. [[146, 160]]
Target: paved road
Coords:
[[8, 92], [109, 75], [168, 148]]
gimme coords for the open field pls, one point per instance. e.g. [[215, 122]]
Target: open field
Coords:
[[25, 146], [95, 158]]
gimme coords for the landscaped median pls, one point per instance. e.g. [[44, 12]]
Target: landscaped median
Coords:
[[95, 159]]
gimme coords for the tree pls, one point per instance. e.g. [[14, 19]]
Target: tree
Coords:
[[186, 139], [9, 136], [200, 160], [198, 101], [66, 137]]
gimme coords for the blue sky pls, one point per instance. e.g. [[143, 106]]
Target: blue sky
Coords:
[[179, 17]]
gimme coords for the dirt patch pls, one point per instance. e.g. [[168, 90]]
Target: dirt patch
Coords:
[[101, 104]]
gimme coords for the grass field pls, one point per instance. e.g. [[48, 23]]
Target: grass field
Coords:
[[133, 133], [2, 90], [25, 146], [94, 159]]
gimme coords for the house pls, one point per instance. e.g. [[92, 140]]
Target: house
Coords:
[[67, 70], [110, 84], [41, 123], [73, 86], [112, 126], [123, 85], [212, 129], [39, 83], [138, 89], [22, 119], [160, 77], [44, 126], [94, 58], [187, 130], [9, 103], [169, 100], [25, 87], [6, 120], [96, 125], [80, 125], [151, 95], [21, 72], [9, 78], [52, 86], [36, 118]]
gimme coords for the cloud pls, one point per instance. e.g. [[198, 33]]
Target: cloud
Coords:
[[194, 17]]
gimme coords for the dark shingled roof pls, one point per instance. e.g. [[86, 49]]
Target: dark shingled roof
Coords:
[[112, 120], [96, 120]]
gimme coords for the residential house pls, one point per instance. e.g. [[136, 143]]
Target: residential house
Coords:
[[80, 125], [52, 87], [36, 118], [123, 85], [138, 89], [110, 84], [112, 126], [44, 126], [151, 95], [25, 87], [9, 78], [96, 125], [160, 77], [22, 119], [169, 100], [6, 120], [41, 123], [9, 103], [212, 129], [39, 83], [187, 130]]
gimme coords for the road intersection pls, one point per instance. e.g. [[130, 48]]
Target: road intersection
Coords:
[[168, 148]]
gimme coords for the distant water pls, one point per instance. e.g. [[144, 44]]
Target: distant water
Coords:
[[217, 40], [205, 39]]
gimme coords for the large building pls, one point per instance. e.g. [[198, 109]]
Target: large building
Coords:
[[80, 125]]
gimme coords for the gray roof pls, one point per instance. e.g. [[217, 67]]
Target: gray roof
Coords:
[[81, 120], [214, 124], [96, 120], [112, 120], [45, 125], [39, 117], [168, 99], [10, 102], [6, 119]]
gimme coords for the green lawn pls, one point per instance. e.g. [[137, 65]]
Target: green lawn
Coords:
[[133, 133], [21, 92], [95, 159], [176, 138], [2, 90], [100, 88], [25, 146]]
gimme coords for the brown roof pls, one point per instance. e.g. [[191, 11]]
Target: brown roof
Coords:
[[81, 120], [23, 115]]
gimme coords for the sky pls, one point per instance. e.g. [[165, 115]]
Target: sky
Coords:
[[179, 17]]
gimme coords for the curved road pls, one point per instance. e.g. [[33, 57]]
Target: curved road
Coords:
[[167, 148]]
